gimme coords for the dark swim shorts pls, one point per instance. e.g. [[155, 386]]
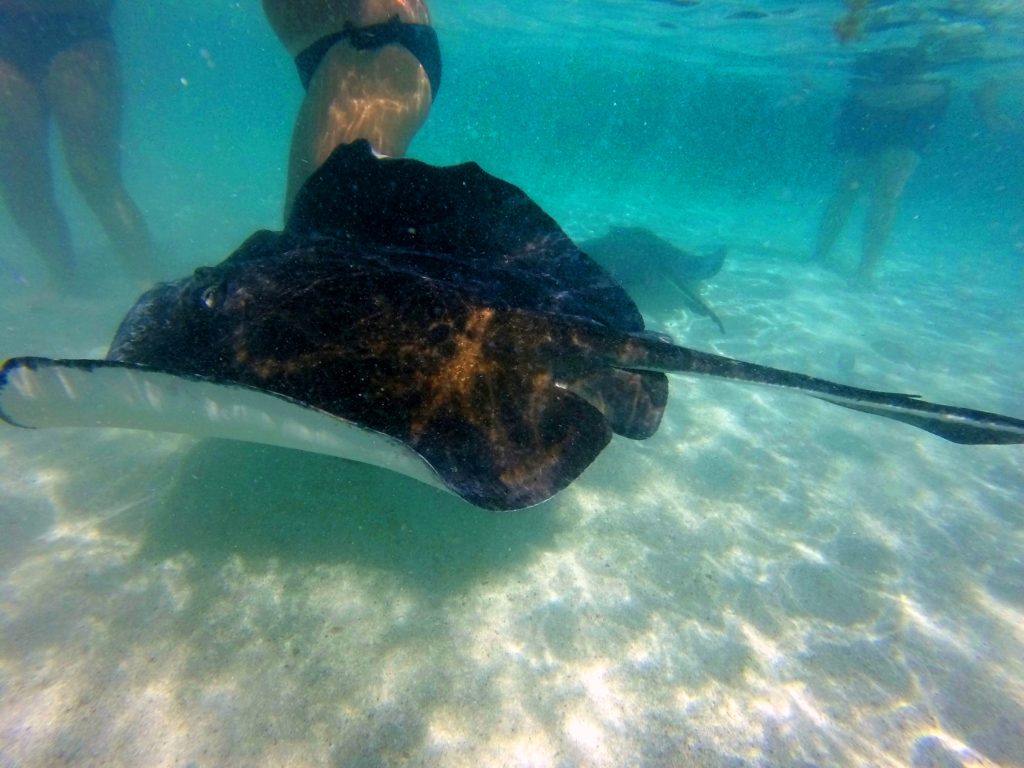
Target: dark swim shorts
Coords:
[[419, 39], [29, 41], [864, 130]]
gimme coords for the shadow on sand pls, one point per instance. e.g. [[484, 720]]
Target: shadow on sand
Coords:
[[257, 503]]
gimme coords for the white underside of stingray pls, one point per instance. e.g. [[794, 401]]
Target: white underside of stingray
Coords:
[[40, 392], [37, 392]]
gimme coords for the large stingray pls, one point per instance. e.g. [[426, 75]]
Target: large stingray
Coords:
[[642, 261], [434, 321]]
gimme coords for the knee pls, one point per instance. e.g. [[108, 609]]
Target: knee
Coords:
[[889, 190], [96, 180]]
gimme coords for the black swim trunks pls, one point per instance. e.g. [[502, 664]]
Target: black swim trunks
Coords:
[[29, 41], [864, 130], [419, 39]]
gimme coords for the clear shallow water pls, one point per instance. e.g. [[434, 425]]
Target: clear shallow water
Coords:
[[768, 581]]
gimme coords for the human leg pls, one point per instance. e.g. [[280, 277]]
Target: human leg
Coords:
[[26, 178], [893, 169], [381, 95], [839, 207], [84, 91]]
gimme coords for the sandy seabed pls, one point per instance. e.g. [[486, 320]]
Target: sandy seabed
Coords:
[[769, 581]]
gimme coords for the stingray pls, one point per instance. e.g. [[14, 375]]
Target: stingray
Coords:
[[640, 260], [430, 320]]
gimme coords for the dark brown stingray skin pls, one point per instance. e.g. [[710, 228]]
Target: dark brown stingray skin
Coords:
[[436, 305], [442, 307]]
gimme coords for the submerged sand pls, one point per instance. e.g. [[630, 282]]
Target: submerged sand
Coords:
[[769, 581]]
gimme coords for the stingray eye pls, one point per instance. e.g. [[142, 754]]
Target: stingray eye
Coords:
[[209, 297]]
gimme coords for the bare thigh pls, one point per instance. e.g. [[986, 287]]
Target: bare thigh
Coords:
[[84, 91], [893, 169], [857, 172], [382, 96], [23, 133]]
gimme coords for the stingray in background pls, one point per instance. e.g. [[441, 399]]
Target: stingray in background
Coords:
[[640, 260], [433, 321]]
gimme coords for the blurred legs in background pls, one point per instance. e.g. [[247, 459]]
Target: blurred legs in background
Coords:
[[51, 66], [882, 176]]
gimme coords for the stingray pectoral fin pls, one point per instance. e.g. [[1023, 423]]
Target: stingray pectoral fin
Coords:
[[695, 303], [38, 392], [959, 425], [631, 402], [516, 451], [700, 268]]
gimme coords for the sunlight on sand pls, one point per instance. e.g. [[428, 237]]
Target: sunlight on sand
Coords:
[[767, 581]]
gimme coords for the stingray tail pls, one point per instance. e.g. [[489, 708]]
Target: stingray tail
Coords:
[[695, 303], [959, 425]]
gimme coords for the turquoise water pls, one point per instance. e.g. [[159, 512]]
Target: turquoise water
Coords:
[[769, 581]]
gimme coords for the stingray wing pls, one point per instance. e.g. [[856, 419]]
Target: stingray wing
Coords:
[[39, 392], [512, 451], [374, 305], [513, 457], [693, 268], [478, 221]]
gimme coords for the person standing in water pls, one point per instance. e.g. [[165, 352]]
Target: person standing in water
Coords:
[[57, 59], [889, 116], [371, 70], [897, 99]]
